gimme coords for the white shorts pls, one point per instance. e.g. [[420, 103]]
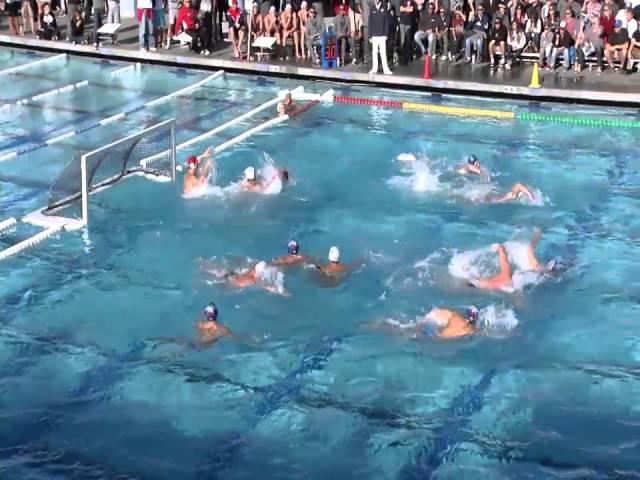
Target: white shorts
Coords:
[[172, 16]]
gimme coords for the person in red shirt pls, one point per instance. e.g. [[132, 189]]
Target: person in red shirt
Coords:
[[237, 27], [607, 20], [187, 22]]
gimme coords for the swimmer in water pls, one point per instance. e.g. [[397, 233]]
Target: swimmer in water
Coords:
[[293, 257], [451, 324], [438, 323], [209, 328], [287, 106], [251, 277], [552, 267], [473, 167], [251, 183], [334, 272], [208, 331], [503, 279], [195, 176], [516, 192]]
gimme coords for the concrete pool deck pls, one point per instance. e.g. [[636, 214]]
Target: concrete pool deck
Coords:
[[589, 87]]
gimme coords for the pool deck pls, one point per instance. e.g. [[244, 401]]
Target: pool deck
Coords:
[[589, 87]]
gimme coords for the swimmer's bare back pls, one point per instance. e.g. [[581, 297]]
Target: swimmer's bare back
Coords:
[[242, 280], [208, 335], [457, 327], [288, 260]]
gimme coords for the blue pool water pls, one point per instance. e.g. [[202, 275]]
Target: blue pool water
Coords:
[[317, 387]]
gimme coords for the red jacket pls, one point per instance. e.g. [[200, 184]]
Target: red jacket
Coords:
[[188, 16], [607, 25]]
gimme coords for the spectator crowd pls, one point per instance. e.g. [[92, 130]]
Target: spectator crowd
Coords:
[[502, 32]]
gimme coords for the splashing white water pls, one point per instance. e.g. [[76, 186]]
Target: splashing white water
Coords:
[[209, 188], [497, 317], [482, 263], [473, 264], [420, 177], [206, 190], [271, 178], [274, 278]]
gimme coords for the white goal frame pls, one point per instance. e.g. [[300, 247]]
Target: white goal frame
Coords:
[[135, 170]]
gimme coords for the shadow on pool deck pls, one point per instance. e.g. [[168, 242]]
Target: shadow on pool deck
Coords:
[[608, 88]]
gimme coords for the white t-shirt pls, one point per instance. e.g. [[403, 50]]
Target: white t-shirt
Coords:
[[632, 26], [145, 4], [622, 16]]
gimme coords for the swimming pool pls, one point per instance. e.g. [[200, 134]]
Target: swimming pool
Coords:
[[549, 389]]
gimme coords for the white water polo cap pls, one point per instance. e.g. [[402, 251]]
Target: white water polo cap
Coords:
[[334, 254], [250, 173], [259, 268]]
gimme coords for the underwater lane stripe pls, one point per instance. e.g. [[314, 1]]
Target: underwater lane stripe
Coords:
[[45, 94], [17, 68], [107, 120], [452, 433]]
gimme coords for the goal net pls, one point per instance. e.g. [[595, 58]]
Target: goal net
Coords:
[[90, 172]]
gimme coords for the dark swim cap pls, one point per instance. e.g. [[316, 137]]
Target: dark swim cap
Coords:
[[293, 247], [211, 312], [472, 314], [473, 160]]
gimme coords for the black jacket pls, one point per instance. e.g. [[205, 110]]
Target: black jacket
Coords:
[[379, 21]]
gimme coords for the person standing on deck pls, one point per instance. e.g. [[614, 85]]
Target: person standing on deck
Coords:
[[99, 10], [364, 8], [379, 30], [145, 25]]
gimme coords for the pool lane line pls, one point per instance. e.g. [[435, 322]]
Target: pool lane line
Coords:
[[121, 71], [46, 94], [105, 121], [184, 90], [488, 113], [17, 68], [145, 162], [7, 224], [30, 242], [573, 120]]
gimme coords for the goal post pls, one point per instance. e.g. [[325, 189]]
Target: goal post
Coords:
[[103, 167]]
